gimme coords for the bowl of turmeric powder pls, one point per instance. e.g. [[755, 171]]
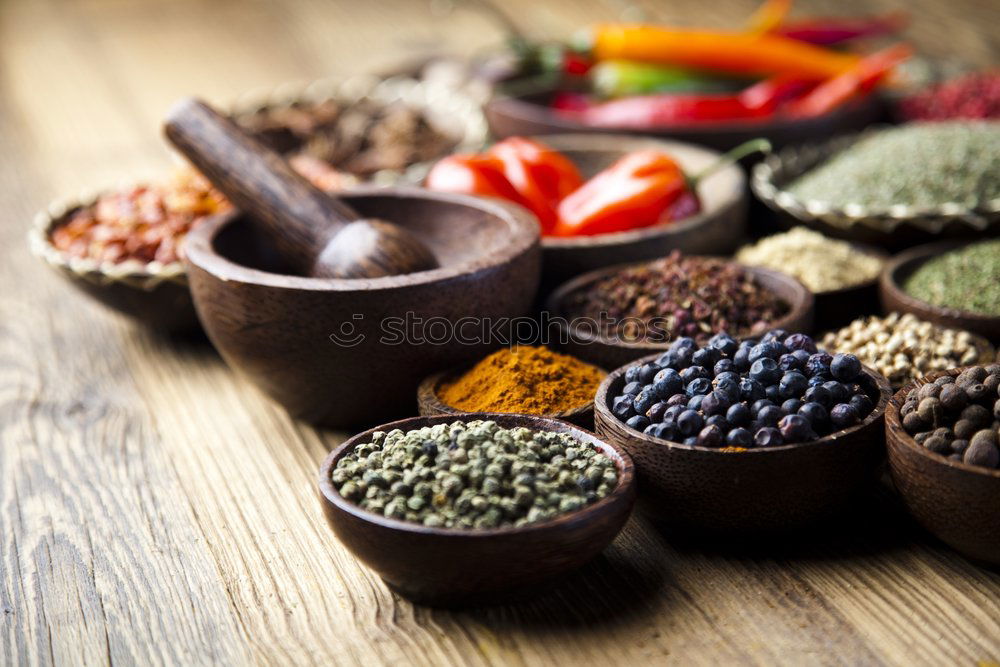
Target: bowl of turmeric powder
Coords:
[[522, 379]]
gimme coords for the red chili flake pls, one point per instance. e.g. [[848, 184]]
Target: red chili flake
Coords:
[[972, 96]]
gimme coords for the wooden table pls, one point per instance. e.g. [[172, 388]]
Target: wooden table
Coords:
[[156, 509]]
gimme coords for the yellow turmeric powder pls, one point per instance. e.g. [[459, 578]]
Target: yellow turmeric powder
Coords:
[[526, 380]]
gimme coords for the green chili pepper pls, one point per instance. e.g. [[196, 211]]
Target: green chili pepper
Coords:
[[621, 78]]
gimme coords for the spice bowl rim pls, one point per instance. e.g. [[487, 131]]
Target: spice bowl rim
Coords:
[[601, 142], [415, 93], [429, 398], [623, 492], [891, 288], [556, 301], [896, 433], [602, 410], [770, 176], [522, 227], [134, 273]]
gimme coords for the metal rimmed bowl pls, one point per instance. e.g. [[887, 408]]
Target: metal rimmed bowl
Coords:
[[153, 293], [759, 490], [445, 566], [896, 226], [446, 108]]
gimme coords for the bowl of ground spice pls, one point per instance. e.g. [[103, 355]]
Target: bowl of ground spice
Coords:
[[521, 380], [954, 284], [475, 509], [125, 247], [843, 276], [944, 456], [891, 187], [614, 315], [746, 436]]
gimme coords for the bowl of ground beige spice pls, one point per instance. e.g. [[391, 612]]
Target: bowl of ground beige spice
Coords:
[[843, 276]]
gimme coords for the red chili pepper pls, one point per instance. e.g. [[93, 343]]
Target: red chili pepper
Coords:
[[540, 175], [758, 101], [856, 81], [826, 31], [632, 193]]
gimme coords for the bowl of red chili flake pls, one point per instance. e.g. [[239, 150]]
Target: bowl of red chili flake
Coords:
[[125, 247]]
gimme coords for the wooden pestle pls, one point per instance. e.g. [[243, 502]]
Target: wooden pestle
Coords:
[[316, 233]]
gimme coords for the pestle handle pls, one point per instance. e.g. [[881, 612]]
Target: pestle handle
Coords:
[[299, 217]]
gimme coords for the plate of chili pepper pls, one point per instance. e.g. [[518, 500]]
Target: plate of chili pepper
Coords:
[[787, 81], [607, 199]]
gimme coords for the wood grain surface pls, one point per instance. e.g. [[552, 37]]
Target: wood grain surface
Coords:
[[154, 509]]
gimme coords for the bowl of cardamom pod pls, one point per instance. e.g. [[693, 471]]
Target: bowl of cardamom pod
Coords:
[[478, 508]]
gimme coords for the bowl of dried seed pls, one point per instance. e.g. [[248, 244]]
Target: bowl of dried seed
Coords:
[[475, 508], [902, 347], [944, 456], [842, 276], [889, 186]]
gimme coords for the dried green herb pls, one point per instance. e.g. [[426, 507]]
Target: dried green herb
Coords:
[[967, 278], [473, 475], [922, 165]]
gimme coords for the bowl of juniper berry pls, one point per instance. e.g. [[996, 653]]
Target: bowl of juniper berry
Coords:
[[459, 567], [957, 502], [757, 436]]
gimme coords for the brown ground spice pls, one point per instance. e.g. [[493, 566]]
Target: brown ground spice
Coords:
[[526, 380]]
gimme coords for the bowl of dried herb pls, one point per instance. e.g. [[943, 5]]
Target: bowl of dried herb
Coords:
[[952, 283], [476, 508]]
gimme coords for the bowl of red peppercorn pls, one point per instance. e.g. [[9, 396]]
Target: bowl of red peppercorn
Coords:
[[944, 456], [751, 436], [618, 314]]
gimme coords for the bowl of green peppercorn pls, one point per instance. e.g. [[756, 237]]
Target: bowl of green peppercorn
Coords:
[[475, 508]]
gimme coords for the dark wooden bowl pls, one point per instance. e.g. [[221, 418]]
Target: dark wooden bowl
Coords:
[[957, 502], [529, 114], [429, 403], [837, 308], [758, 490], [894, 298], [717, 230], [584, 343], [342, 352], [153, 294], [456, 567]]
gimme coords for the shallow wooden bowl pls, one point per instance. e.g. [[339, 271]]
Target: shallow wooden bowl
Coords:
[[153, 294], [765, 490], [529, 114], [456, 567], [343, 352], [957, 502], [837, 308], [429, 403], [894, 298], [717, 230], [584, 343]]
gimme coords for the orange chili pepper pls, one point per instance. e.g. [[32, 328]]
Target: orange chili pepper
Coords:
[[736, 52], [769, 15], [634, 192]]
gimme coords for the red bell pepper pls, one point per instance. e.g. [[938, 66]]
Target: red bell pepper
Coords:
[[540, 175], [632, 193], [856, 81]]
